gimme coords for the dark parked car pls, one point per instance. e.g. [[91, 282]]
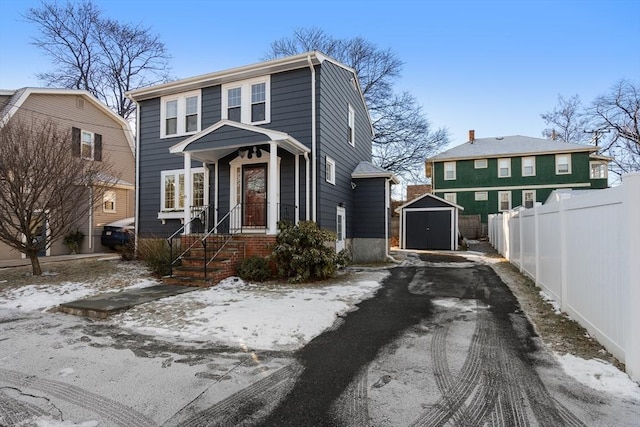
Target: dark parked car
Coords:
[[118, 233]]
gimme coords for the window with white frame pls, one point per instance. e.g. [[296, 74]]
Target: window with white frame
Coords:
[[480, 164], [247, 101], [597, 170], [330, 172], [528, 198], [173, 189], [529, 166], [180, 114], [449, 171], [450, 197], [351, 131], [87, 145], [563, 164], [109, 201], [504, 200], [504, 168], [481, 195]]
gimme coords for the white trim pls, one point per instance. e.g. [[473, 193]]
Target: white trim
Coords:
[[245, 99], [523, 204], [91, 144], [351, 123], [314, 144], [500, 201], [176, 173], [452, 169], [330, 177], [480, 196], [478, 165], [569, 158], [341, 237], [454, 223], [514, 187], [106, 199], [533, 165], [451, 195], [508, 160], [600, 163], [431, 195], [181, 113]]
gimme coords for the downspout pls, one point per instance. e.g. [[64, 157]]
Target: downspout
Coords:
[[137, 191], [313, 139], [306, 183]]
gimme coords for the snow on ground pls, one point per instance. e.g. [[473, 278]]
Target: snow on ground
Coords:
[[552, 302]]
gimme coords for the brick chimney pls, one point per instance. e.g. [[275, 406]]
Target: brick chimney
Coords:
[[472, 136]]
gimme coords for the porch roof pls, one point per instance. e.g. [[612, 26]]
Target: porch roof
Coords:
[[215, 150]]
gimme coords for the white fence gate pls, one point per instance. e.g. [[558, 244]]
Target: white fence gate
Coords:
[[584, 251]]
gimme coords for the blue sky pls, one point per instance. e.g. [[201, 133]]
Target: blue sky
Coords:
[[492, 66]]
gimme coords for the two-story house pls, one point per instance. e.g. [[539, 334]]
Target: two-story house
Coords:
[[98, 135], [490, 175], [237, 151]]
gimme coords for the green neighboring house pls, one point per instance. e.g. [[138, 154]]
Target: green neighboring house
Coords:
[[490, 175]]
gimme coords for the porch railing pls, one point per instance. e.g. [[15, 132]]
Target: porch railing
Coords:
[[175, 240]]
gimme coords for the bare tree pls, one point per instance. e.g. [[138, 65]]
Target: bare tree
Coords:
[[102, 56], [568, 121], [42, 179], [403, 134]]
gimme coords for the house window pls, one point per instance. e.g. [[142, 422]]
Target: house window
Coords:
[[109, 201], [563, 164], [528, 166], [330, 171], [449, 171], [481, 195], [180, 114], [173, 189], [597, 170], [480, 164], [450, 197], [504, 168], [351, 132], [504, 200], [86, 145], [248, 101], [528, 198]]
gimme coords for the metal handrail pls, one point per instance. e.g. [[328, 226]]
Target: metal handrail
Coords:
[[225, 237], [177, 232]]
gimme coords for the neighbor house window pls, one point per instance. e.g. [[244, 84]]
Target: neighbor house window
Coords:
[[481, 195], [528, 198], [330, 171], [563, 164], [528, 166], [504, 168], [504, 200], [247, 101], [480, 164], [450, 197], [86, 147], [109, 201], [351, 132], [173, 189], [597, 170], [180, 114], [449, 171]]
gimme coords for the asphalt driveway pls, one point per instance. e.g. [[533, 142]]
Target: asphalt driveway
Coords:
[[443, 342]]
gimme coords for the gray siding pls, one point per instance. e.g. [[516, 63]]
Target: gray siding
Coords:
[[369, 208]]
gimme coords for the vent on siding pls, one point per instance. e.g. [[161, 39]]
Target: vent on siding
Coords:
[[80, 102]]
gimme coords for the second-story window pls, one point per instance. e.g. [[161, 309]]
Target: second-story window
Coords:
[[180, 114], [351, 130], [449, 171], [528, 166], [247, 101], [86, 148], [504, 168], [563, 164]]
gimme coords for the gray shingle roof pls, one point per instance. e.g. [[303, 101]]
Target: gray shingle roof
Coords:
[[509, 146], [369, 170]]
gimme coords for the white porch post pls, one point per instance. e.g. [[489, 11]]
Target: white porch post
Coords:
[[272, 216], [187, 192], [297, 189]]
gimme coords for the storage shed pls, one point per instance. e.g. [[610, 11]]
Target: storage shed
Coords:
[[429, 222]]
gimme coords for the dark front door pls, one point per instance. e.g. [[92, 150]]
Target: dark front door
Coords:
[[254, 195], [428, 229]]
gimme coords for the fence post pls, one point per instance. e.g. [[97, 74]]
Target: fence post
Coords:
[[563, 256], [631, 204], [520, 229], [536, 238]]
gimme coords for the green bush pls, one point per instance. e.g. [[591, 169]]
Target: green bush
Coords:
[[254, 268], [301, 252], [156, 255]]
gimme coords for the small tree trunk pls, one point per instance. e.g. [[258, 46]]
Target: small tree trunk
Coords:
[[35, 263]]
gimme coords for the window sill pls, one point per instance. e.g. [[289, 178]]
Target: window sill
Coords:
[[165, 215]]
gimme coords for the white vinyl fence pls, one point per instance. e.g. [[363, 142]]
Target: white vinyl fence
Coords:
[[584, 251]]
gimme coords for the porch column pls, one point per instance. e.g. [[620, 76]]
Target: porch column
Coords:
[[296, 200], [272, 216], [187, 192]]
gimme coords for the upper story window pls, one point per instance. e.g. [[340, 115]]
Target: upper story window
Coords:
[[180, 114], [480, 164], [504, 168], [449, 171], [597, 170], [248, 101], [330, 171], [528, 166], [563, 164], [351, 132], [109, 201], [87, 145], [172, 196]]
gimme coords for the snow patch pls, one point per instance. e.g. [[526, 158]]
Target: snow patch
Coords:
[[548, 299]]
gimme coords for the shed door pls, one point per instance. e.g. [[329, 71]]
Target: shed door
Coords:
[[428, 229]]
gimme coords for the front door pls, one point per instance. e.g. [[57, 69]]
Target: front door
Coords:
[[254, 195], [340, 228]]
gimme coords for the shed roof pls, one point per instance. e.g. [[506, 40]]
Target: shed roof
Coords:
[[369, 170]]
